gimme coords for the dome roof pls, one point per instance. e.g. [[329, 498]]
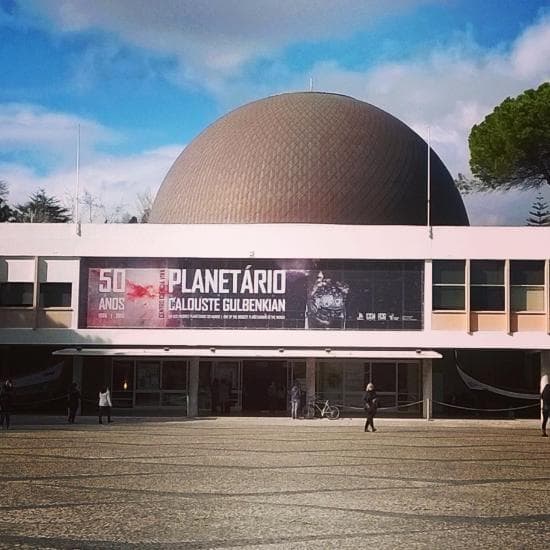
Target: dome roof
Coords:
[[307, 158]]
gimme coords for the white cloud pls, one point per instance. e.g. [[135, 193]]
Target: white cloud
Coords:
[[31, 136], [31, 128], [532, 52], [114, 180], [212, 39], [39, 151]]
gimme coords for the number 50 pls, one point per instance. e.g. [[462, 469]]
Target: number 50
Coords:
[[112, 280]]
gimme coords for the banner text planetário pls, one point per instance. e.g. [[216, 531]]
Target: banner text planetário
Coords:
[[204, 282]]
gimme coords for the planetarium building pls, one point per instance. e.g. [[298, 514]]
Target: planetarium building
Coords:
[[305, 236]]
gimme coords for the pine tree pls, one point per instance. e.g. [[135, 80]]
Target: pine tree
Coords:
[[40, 208], [6, 213], [539, 213], [511, 147]]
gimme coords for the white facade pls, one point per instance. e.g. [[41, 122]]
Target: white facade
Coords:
[[51, 253]]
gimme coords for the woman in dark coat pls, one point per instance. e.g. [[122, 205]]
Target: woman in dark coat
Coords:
[[371, 406], [73, 400], [545, 397]]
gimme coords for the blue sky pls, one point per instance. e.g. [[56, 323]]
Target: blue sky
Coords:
[[143, 78]]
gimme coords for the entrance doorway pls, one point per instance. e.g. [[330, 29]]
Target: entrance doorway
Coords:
[[265, 387], [255, 387], [220, 387], [267, 383]]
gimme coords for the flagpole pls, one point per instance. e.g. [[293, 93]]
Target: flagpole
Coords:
[[76, 206], [429, 191]]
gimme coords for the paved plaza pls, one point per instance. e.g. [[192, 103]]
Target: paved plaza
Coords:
[[274, 483]]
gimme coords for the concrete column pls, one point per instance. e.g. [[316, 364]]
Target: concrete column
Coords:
[[310, 378], [193, 390], [35, 293], [428, 305], [77, 377], [427, 388]]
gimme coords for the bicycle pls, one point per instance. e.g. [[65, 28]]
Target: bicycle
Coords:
[[323, 409]]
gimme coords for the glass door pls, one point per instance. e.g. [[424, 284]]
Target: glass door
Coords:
[[220, 387], [356, 377], [343, 383], [383, 374], [296, 372], [330, 381], [174, 383], [231, 371], [409, 386], [147, 383]]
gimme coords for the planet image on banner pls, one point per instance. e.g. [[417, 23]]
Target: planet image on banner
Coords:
[[326, 304]]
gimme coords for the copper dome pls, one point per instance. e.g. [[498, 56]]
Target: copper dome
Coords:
[[307, 158]]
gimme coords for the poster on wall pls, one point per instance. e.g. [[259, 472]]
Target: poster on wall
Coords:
[[218, 293]]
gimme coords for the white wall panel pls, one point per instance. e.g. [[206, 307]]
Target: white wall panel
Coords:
[[17, 270], [58, 270]]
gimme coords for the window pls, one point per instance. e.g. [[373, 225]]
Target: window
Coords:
[[527, 285], [122, 389], [487, 285], [148, 375], [149, 383], [123, 375], [55, 295], [174, 375], [448, 285], [16, 294]]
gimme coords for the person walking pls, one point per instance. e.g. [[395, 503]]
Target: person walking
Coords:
[[545, 397], [105, 404], [7, 399], [73, 400], [295, 396], [371, 406]]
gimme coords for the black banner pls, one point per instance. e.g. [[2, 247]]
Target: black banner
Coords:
[[266, 294]]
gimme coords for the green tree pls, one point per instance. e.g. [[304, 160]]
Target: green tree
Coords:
[[40, 208], [6, 213], [539, 213], [511, 147], [465, 185]]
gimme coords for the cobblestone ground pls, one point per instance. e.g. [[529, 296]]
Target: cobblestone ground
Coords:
[[274, 483]]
